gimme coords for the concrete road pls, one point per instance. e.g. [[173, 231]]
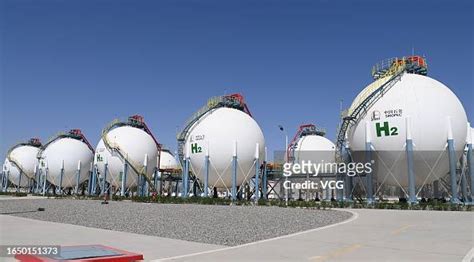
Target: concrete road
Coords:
[[24, 231], [371, 235]]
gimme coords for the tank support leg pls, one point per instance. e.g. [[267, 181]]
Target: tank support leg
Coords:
[[452, 165], [234, 173], [93, 180], [368, 159], [78, 177], [155, 180], [19, 182], [264, 181], [104, 180], [411, 174], [452, 172], [257, 173], [470, 162], [185, 178], [60, 189], [5, 180], [464, 188], [45, 178], [124, 179], [206, 174]]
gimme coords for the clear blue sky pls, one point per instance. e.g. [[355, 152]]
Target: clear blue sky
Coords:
[[82, 63]]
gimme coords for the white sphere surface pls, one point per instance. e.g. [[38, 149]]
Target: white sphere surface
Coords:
[[70, 151], [216, 133], [26, 157], [168, 161], [316, 149], [428, 104], [14, 174], [135, 144]]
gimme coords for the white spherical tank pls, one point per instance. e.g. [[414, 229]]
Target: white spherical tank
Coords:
[[133, 143], [428, 105], [216, 132], [168, 161], [13, 174], [315, 149], [62, 156], [26, 157]]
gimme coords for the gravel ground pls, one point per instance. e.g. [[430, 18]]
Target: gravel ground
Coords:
[[221, 225]]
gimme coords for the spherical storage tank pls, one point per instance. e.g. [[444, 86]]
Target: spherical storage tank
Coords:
[[131, 140], [431, 109], [168, 161], [310, 145], [21, 158], [63, 155], [215, 130]]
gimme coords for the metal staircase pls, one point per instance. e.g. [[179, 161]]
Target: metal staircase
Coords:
[[235, 101], [392, 69], [138, 122]]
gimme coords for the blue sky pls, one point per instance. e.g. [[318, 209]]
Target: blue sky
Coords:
[[82, 63]]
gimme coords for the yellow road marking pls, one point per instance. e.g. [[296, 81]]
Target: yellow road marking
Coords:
[[401, 229], [336, 253]]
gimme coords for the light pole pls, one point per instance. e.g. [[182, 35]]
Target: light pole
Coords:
[[282, 129]]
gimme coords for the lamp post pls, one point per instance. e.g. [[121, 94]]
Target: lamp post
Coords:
[[282, 129]]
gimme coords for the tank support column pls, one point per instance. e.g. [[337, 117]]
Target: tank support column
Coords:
[[19, 182], [104, 179], [264, 177], [470, 162], [124, 179], [60, 191], [347, 178], [452, 165], [78, 176], [234, 173], [206, 173], [2, 176], [411, 174], [257, 171], [93, 180], [368, 159], [143, 181], [185, 182], [45, 179], [7, 178]]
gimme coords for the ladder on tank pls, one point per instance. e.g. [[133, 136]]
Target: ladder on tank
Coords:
[[393, 68]]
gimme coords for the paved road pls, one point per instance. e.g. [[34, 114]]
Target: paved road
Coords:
[[18, 230], [371, 235]]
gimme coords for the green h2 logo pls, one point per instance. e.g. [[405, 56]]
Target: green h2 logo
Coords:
[[385, 130], [195, 148]]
